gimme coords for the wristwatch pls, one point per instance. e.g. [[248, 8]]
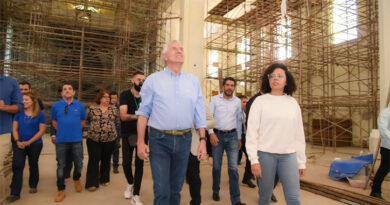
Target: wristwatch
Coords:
[[202, 138]]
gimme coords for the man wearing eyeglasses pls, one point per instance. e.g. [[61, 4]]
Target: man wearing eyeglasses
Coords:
[[68, 117]]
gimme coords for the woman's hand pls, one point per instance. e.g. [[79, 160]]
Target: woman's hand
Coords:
[[256, 170], [302, 172], [20, 145], [26, 143]]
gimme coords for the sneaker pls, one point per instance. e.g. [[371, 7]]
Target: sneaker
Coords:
[[129, 191], [60, 196], [136, 200], [77, 185], [106, 184], [33, 190], [12, 198], [92, 188]]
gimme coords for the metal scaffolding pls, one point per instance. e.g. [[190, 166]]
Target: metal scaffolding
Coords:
[[330, 46], [93, 44]]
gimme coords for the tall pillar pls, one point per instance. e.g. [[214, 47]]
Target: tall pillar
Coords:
[[191, 36], [384, 50]]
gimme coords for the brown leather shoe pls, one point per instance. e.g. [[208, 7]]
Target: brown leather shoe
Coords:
[[60, 196], [77, 185]]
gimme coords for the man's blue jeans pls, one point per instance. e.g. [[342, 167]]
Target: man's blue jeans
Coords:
[[115, 154], [168, 161], [62, 150], [286, 166], [228, 142]]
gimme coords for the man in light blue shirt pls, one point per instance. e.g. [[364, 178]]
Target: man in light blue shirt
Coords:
[[172, 102], [384, 167], [226, 110]]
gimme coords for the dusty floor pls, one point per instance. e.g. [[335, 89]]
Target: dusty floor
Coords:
[[317, 171]]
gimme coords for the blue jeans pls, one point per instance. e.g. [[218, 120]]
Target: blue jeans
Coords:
[[286, 166], [228, 142], [62, 150], [115, 154], [168, 162]]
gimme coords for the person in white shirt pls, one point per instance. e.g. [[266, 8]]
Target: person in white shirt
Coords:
[[384, 167], [275, 139]]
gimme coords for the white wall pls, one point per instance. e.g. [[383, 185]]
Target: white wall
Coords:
[[384, 50]]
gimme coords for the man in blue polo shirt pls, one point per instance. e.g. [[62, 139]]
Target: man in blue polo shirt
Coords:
[[10, 103], [68, 117]]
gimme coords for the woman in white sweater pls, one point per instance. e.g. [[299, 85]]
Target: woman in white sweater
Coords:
[[275, 137]]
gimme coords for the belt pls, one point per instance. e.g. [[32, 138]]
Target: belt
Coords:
[[224, 131], [173, 132]]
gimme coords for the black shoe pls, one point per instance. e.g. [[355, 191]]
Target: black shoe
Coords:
[[239, 203], [116, 171], [216, 197], [249, 183], [12, 198], [376, 195], [273, 198]]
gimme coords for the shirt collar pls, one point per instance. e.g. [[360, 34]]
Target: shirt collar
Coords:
[[63, 101], [221, 96], [167, 70]]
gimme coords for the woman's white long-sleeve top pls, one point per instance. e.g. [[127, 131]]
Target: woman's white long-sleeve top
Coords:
[[275, 126]]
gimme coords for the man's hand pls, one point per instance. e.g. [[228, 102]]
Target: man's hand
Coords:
[[143, 151], [53, 139], [256, 170], [2, 105], [302, 172], [202, 151], [214, 139], [239, 144]]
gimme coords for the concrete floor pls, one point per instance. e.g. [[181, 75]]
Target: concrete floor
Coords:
[[317, 171]]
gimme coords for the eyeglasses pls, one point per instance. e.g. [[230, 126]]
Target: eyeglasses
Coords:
[[273, 76], [66, 109]]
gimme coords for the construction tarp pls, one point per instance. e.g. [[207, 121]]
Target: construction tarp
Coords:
[[349, 168]]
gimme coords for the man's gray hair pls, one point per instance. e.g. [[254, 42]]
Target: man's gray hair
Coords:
[[165, 47]]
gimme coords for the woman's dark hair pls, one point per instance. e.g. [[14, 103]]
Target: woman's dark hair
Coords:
[[100, 95], [289, 89]]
